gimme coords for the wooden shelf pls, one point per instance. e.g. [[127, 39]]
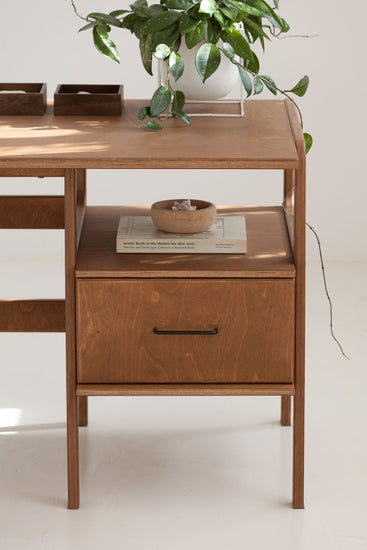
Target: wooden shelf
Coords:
[[261, 139], [269, 253]]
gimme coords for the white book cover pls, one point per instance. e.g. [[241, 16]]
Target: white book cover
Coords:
[[139, 234]]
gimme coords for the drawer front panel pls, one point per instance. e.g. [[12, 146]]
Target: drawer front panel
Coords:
[[185, 331]]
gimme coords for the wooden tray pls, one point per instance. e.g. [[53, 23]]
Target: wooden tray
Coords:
[[100, 99], [32, 102]]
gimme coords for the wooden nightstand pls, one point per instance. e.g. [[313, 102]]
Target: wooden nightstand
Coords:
[[140, 324]]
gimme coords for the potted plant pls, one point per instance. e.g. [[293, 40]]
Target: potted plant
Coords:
[[218, 29]]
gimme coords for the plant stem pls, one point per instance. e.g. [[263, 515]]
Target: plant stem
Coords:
[[290, 193], [326, 290], [76, 11], [283, 92]]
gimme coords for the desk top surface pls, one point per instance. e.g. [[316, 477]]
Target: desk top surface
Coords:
[[261, 139]]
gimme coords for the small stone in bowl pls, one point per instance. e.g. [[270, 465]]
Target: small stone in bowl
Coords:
[[183, 221]]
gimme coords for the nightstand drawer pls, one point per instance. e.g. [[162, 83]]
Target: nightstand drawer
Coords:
[[185, 331]]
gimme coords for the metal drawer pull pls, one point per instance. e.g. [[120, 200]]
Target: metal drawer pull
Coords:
[[186, 332]]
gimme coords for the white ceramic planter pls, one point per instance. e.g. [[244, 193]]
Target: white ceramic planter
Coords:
[[217, 86]]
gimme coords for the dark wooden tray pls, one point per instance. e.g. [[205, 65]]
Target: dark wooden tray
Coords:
[[32, 102], [101, 99]]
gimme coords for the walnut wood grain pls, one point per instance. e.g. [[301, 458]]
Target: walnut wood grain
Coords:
[[83, 410], [288, 206], [81, 201], [33, 212], [117, 344], [32, 316], [269, 136], [285, 413], [33, 102], [71, 398], [101, 99], [299, 256], [185, 389], [269, 253], [31, 172], [261, 139]]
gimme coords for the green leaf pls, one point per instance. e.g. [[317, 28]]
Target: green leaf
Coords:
[[160, 100], [183, 116], [208, 6], [116, 13], [153, 125], [244, 8], [178, 101], [255, 29], [89, 26], [176, 65], [219, 17], [301, 87], [145, 45], [179, 4], [207, 60], [269, 83], [177, 43], [187, 23], [138, 26], [258, 85], [105, 18], [104, 45], [273, 17], [196, 35], [197, 14], [168, 36], [143, 113], [213, 31], [261, 5], [140, 7], [252, 64], [229, 11], [154, 9], [161, 21], [238, 42], [162, 51], [308, 141], [246, 80], [228, 50], [276, 3], [130, 21]]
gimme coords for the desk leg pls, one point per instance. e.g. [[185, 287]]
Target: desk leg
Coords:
[[299, 398], [72, 408], [285, 416], [82, 410]]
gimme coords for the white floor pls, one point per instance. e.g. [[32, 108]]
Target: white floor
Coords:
[[178, 473]]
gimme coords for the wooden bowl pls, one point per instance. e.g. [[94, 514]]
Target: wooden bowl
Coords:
[[183, 221]]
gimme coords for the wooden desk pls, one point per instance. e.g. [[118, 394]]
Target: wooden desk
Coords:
[[269, 136]]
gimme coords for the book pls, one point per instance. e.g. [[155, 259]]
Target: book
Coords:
[[139, 234]]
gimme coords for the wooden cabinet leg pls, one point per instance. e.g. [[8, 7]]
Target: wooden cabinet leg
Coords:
[[73, 452], [298, 451], [299, 247], [83, 410], [72, 402], [285, 416]]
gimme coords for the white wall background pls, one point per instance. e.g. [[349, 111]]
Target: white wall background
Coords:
[[39, 42]]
